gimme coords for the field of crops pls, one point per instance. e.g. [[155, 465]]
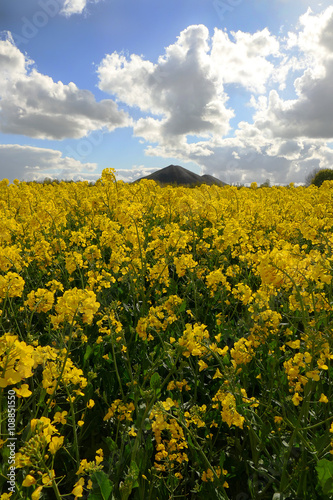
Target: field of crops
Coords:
[[165, 342]]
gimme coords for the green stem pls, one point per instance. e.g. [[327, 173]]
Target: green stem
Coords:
[[139, 434], [317, 425], [143, 269], [304, 410], [62, 370], [200, 450], [54, 484], [117, 371], [76, 444], [3, 309], [55, 489], [16, 322]]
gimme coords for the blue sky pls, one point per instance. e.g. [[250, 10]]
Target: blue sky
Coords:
[[233, 88]]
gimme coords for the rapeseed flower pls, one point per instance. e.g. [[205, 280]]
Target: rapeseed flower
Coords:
[[226, 402], [74, 302], [16, 361], [143, 262], [11, 285], [40, 301]]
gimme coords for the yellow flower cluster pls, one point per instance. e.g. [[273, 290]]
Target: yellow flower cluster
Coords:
[[40, 301], [226, 402], [11, 285], [121, 411], [86, 466], [158, 318], [75, 302], [16, 360], [180, 385], [213, 289], [208, 475], [70, 374], [19, 360], [44, 438], [170, 448], [242, 352], [193, 339], [195, 416], [216, 280]]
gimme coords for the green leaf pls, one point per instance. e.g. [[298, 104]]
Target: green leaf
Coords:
[[134, 469], [112, 445], [320, 442], [102, 487], [226, 360], [130, 481], [222, 459], [88, 353], [155, 381], [95, 496], [324, 469], [182, 306]]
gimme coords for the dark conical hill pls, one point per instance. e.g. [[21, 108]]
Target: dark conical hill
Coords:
[[210, 179], [175, 174]]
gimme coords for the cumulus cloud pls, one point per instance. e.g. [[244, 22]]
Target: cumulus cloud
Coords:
[[31, 163], [310, 114], [315, 36], [134, 173], [13, 63], [32, 104], [181, 91], [75, 6], [244, 160], [182, 100], [184, 97], [235, 164], [184, 92], [244, 61]]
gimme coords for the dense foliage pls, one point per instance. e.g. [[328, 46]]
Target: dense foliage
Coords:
[[321, 176], [166, 342]]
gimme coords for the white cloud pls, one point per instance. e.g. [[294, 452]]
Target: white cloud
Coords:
[[315, 37], [281, 162], [12, 62], [75, 6], [181, 91], [34, 105], [310, 114], [182, 102], [31, 163], [185, 94], [185, 91], [134, 173], [244, 61]]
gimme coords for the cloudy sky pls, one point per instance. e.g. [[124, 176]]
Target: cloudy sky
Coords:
[[239, 89]]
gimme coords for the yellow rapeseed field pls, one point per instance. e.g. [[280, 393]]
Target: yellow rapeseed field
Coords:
[[165, 342]]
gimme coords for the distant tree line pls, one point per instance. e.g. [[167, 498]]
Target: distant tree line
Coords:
[[48, 180], [318, 176]]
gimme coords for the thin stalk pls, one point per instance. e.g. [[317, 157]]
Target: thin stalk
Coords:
[[117, 371], [62, 368], [76, 443], [199, 449], [54, 484], [297, 428], [143, 268]]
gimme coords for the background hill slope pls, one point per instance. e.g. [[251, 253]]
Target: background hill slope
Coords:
[[175, 174]]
